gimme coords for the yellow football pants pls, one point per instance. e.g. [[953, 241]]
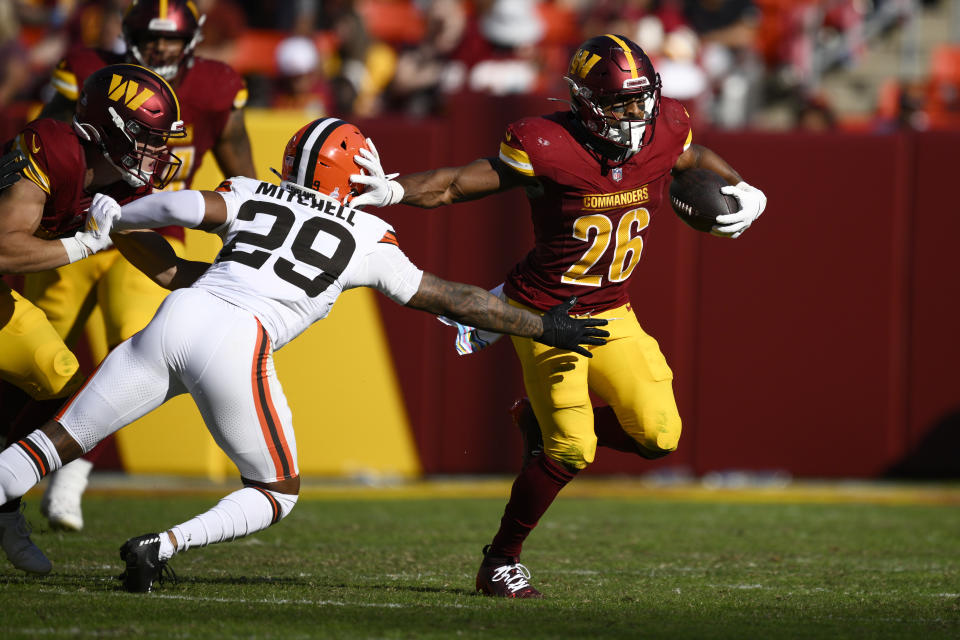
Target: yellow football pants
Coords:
[[629, 373], [33, 356]]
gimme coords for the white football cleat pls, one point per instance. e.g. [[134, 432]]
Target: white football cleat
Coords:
[[61, 502], [20, 550]]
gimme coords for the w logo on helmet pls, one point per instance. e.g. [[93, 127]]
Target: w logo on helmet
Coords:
[[125, 90], [582, 62]]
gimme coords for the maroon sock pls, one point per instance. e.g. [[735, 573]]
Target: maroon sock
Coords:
[[609, 432], [533, 492], [612, 436]]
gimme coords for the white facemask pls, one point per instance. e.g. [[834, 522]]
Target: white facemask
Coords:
[[629, 134]]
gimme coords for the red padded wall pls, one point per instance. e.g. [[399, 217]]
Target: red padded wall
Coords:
[[933, 380]]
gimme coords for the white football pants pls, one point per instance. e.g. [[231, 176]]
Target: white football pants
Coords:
[[217, 352]]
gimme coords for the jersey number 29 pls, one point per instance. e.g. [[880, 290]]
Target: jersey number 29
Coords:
[[302, 248]]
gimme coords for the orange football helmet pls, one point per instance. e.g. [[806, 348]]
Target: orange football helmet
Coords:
[[319, 157]]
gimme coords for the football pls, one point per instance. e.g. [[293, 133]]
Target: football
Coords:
[[696, 198]]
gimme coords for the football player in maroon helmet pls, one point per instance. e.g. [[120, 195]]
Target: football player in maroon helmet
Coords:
[[113, 114], [116, 146], [160, 35], [595, 176]]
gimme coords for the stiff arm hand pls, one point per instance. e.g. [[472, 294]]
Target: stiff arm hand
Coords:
[[381, 190], [476, 307], [564, 332]]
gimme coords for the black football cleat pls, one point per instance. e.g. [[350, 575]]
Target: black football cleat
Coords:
[[144, 566], [526, 422], [504, 578]]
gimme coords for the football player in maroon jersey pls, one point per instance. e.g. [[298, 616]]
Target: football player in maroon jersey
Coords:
[[160, 35], [115, 146], [594, 177]]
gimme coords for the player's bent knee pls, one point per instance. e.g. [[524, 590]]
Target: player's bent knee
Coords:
[[285, 503], [663, 439]]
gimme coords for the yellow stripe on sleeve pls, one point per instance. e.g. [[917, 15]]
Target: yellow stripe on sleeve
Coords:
[[516, 159], [686, 145], [240, 100], [65, 82], [32, 171]]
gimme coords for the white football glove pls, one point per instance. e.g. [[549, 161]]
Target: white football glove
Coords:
[[382, 190], [95, 237], [752, 203]]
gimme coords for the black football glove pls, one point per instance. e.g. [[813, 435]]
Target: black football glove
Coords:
[[11, 165], [560, 330]]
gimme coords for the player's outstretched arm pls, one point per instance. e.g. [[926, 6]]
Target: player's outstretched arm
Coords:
[[148, 251], [204, 210], [429, 189], [476, 307]]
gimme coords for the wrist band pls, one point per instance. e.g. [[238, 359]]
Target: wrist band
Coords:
[[75, 249]]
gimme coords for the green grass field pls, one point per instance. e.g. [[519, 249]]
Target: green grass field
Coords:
[[613, 564]]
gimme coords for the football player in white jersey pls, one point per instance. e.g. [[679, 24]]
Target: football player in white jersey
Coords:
[[289, 250]]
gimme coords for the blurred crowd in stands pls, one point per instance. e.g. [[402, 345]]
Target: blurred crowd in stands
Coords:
[[725, 59]]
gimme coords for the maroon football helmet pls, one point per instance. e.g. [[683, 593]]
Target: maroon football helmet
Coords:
[[129, 112], [150, 19], [606, 74]]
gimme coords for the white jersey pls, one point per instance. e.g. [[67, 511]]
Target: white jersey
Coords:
[[287, 256]]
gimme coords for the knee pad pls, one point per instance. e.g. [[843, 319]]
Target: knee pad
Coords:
[[663, 438], [56, 373]]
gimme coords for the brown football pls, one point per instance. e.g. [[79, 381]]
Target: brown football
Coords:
[[696, 198]]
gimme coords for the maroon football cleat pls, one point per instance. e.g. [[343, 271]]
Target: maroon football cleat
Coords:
[[504, 578], [526, 421]]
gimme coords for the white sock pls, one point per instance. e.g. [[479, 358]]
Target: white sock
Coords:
[[239, 514], [24, 463]]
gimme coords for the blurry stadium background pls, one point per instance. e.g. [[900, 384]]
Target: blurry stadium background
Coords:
[[822, 344]]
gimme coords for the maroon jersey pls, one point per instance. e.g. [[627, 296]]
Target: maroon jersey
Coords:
[[56, 163], [208, 92], [589, 219]]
